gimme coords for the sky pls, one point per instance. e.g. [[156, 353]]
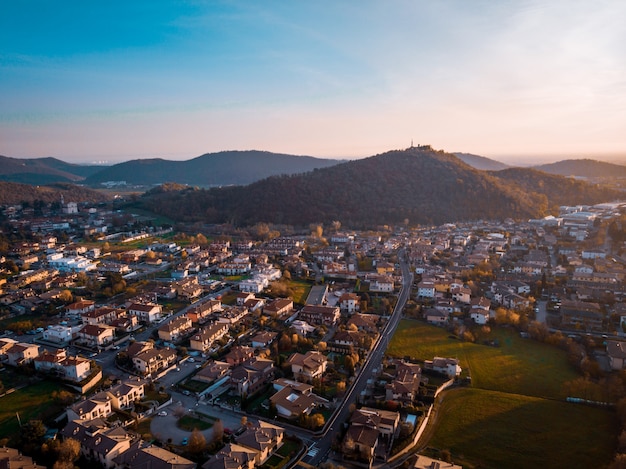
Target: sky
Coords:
[[519, 81]]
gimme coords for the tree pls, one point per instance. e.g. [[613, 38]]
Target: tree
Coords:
[[197, 442], [31, 435], [66, 452], [218, 430], [63, 397], [349, 364], [317, 421], [66, 296]]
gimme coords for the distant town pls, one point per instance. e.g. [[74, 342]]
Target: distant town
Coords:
[[126, 343]]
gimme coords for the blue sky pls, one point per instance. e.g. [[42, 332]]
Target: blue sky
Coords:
[[518, 81]]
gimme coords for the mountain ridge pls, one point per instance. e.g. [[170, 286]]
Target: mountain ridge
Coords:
[[211, 169], [586, 167], [418, 185]]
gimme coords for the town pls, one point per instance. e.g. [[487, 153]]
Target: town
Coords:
[[128, 344]]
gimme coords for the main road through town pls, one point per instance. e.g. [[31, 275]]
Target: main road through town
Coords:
[[323, 445]]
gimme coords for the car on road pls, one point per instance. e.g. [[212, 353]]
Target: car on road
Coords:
[[162, 414], [191, 360], [184, 442]]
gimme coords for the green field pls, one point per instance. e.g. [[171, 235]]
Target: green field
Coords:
[[32, 402], [514, 415], [519, 366], [188, 423], [300, 289], [490, 429]]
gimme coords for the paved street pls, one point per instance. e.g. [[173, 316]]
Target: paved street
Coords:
[[323, 444], [165, 428]]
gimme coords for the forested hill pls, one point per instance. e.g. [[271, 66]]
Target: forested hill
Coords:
[[15, 193], [558, 190], [481, 162], [212, 169], [418, 184], [42, 170], [584, 168]]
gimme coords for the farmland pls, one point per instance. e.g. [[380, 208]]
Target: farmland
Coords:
[[514, 415]]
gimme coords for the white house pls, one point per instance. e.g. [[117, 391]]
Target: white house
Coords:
[[426, 289], [58, 334], [149, 312]]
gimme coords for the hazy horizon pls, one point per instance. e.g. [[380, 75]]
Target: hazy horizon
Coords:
[[517, 80], [512, 160]]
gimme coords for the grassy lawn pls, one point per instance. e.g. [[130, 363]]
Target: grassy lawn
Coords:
[[144, 427], [273, 461], [519, 366], [288, 447], [301, 289], [490, 429], [32, 402], [188, 423], [194, 386]]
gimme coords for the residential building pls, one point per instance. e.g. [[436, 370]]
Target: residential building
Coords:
[[280, 307], [95, 335], [204, 340], [21, 353], [309, 366], [12, 459], [98, 441], [293, 401], [141, 455], [176, 329], [150, 360], [146, 312], [320, 315], [72, 368], [350, 303]]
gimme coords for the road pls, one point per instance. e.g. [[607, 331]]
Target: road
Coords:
[[323, 444]]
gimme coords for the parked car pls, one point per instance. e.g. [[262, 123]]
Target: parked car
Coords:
[[162, 414], [184, 442]]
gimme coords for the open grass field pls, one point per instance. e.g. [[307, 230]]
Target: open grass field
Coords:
[[32, 402], [490, 429], [519, 366], [514, 415], [301, 289]]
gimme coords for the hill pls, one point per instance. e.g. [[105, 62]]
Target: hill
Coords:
[[16, 193], [480, 162], [42, 170], [584, 168], [420, 185], [557, 190], [212, 169]]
